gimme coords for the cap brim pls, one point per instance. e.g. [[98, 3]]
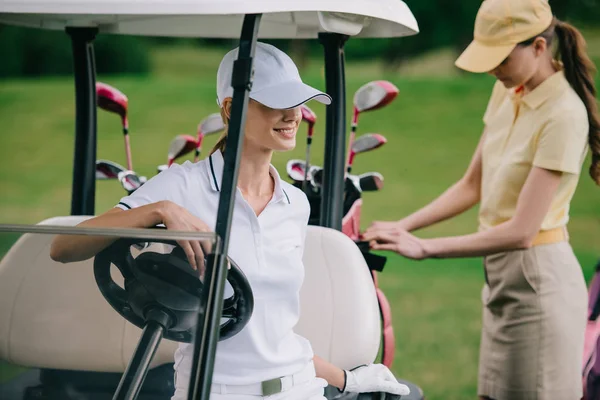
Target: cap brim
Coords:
[[289, 95], [478, 57]]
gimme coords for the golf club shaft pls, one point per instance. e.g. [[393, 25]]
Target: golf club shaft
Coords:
[[353, 129], [306, 163], [350, 141], [127, 149], [198, 147]]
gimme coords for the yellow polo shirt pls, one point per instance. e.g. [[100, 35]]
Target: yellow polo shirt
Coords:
[[548, 128]]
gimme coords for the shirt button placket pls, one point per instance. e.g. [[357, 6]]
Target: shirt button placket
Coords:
[[258, 244]]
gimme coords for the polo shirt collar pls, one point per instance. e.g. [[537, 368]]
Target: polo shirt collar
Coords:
[[551, 87], [215, 176]]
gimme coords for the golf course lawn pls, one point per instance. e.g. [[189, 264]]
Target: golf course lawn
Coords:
[[432, 129]]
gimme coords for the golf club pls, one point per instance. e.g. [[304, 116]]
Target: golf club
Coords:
[[112, 100], [208, 126], [180, 146], [364, 143], [295, 169], [317, 177], [106, 169], [370, 181], [161, 168], [311, 118], [371, 96], [130, 181]]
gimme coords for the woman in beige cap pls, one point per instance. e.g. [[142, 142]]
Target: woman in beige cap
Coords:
[[539, 124]]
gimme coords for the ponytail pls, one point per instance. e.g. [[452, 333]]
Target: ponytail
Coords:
[[222, 142], [579, 71]]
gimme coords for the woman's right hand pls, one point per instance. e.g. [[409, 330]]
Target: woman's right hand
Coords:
[[177, 218]]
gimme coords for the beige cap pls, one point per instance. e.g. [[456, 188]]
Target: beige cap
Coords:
[[500, 25]]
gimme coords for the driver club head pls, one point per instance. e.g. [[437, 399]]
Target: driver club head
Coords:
[[130, 181], [211, 124], [208, 126], [295, 169], [368, 142], [180, 146], [374, 95], [106, 169], [112, 100], [308, 115], [370, 181]]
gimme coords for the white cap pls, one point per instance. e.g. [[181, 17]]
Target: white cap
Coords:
[[276, 82]]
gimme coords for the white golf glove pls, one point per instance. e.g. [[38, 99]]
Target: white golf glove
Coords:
[[373, 378]]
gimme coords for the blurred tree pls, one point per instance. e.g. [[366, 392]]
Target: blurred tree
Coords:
[[442, 24], [449, 23], [36, 52]]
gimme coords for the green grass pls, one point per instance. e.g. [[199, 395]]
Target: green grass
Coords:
[[432, 129]]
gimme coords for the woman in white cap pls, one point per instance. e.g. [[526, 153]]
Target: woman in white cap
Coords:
[[539, 124], [270, 218]]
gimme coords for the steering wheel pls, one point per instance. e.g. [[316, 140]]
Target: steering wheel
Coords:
[[166, 282]]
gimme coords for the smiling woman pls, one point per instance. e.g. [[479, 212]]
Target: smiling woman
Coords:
[[266, 357]]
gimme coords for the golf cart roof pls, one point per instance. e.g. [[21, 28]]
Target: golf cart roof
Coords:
[[285, 19]]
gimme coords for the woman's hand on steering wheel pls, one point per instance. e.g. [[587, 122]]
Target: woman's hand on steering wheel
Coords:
[[177, 218]]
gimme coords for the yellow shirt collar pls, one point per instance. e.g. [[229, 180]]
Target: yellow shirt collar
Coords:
[[551, 87]]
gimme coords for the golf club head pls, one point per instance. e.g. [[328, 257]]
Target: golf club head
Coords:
[[130, 181], [162, 167], [368, 142], [112, 100], [308, 115], [316, 176], [295, 169], [208, 126], [355, 181], [211, 125], [180, 146], [106, 169], [374, 95], [370, 181]]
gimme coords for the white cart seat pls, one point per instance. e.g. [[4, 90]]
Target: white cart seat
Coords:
[[52, 315]]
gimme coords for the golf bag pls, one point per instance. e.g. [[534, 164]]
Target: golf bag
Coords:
[[352, 203], [591, 352]]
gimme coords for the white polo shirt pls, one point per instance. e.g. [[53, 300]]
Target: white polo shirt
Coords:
[[267, 248]]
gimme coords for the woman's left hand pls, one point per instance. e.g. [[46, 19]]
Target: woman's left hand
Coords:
[[397, 240]]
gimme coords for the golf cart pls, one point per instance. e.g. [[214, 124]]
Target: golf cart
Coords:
[[90, 333]]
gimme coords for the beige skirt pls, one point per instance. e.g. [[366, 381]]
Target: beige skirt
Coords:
[[534, 317]]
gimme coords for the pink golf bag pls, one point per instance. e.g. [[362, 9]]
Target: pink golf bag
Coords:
[[591, 352]]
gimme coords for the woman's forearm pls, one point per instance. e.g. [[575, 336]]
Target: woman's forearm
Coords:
[[503, 237], [332, 374], [517, 233], [71, 248], [459, 198]]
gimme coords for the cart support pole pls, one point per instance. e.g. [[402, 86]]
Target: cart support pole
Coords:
[[211, 303], [84, 164], [332, 199]]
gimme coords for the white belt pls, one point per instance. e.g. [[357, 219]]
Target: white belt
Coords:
[[269, 387]]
